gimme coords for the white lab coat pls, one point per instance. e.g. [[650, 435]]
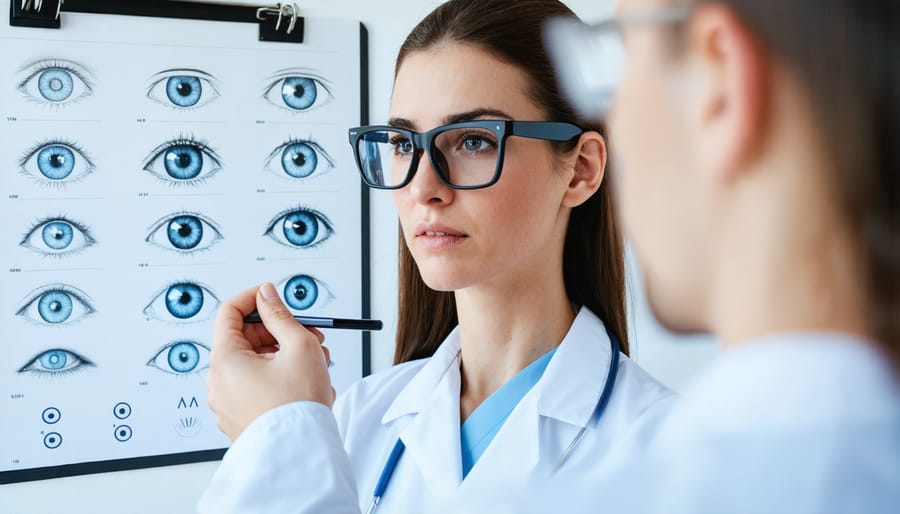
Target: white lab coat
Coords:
[[788, 424], [299, 458]]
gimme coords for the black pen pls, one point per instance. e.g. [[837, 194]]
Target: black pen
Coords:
[[312, 321]]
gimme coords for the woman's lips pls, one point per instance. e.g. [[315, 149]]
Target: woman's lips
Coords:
[[436, 237]]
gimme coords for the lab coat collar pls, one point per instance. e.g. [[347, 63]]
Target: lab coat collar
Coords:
[[574, 379]]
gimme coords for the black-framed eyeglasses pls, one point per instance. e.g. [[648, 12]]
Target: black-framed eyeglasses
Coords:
[[465, 155]]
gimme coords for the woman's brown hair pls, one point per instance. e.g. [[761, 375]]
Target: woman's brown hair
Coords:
[[593, 255], [846, 53]]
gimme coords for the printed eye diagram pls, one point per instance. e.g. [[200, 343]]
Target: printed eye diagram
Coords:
[[297, 90], [56, 305], [183, 88], [303, 292], [300, 227], [298, 159], [55, 82], [56, 162], [57, 236], [183, 161], [181, 358], [56, 362], [183, 302], [184, 232]]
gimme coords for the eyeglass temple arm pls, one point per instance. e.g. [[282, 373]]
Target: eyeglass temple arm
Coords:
[[546, 130]]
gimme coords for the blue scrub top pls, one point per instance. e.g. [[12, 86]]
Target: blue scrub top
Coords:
[[483, 424]]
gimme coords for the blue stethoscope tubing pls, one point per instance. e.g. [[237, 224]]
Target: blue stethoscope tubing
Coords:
[[391, 464]]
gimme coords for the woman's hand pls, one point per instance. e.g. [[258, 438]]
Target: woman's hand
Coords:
[[257, 367]]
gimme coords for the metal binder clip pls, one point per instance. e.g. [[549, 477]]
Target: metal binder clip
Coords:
[[29, 13], [291, 12]]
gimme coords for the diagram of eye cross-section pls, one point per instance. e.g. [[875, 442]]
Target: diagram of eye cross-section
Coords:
[[137, 196]]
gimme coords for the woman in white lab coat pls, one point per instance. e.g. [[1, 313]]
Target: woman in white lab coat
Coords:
[[511, 295], [759, 144]]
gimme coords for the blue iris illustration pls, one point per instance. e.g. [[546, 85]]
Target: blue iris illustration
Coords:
[[183, 357], [299, 160], [183, 162], [300, 228], [58, 235], [184, 90], [184, 300], [56, 162], [53, 360], [55, 306], [301, 292], [299, 92], [56, 85], [185, 232]]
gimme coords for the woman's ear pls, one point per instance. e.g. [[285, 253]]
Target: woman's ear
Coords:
[[589, 169]]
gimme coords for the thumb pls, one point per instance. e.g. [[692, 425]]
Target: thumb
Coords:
[[279, 321]]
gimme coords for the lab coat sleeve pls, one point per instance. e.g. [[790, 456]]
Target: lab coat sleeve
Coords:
[[289, 460]]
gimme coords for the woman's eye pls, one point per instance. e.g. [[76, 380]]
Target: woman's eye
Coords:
[[296, 90], [300, 228], [183, 302], [183, 88], [56, 82], [56, 305], [181, 358], [476, 144], [299, 159], [56, 163], [183, 161], [58, 237], [304, 292], [184, 232], [55, 362]]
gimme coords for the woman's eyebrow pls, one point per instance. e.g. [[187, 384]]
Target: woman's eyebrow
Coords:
[[474, 114]]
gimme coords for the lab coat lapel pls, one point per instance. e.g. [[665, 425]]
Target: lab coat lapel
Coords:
[[427, 414]]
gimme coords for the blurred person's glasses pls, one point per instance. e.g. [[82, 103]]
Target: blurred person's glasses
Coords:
[[465, 155], [590, 58]]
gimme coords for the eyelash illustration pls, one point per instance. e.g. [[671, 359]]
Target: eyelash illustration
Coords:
[[183, 161], [56, 362], [297, 90], [298, 159], [184, 232], [183, 302], [56, 305], [183, 88], [181, 358], [56, 82], [300, 227], [58, 237], [304, 292], [56, 162]]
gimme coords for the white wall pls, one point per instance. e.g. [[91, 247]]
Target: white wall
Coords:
[[174, 489]]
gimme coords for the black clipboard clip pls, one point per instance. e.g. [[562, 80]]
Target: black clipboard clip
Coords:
[[288, 26], [35, 13]]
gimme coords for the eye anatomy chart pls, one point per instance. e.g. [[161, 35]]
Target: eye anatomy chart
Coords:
[[150, 169]]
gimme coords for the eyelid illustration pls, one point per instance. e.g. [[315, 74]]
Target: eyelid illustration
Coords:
[[56, 362], [183, 88], [297, 90], [300, 227], [57, 236], [56, 305], [56, 82], [184, 232], [183, 302], [183, 161], [303, 292], [181, 358], [56, 162], [299, 159]]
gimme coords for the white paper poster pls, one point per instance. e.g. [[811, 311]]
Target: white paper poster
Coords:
[[151, 168]]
